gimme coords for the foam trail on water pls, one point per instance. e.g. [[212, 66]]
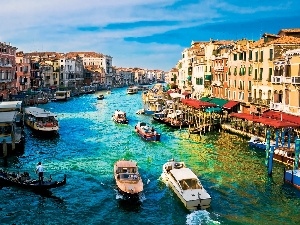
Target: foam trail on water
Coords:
[[200, 217]]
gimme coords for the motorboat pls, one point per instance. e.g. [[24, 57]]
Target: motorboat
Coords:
[[100, 97], [41, 120], [186, 185], [120, 117], [132, 90], [147, 132], [23, 180], [128, 179]]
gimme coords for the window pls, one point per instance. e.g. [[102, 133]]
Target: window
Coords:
[[271, 54], [256, 56], [270, 74], [241, 56], [255, 74], [249, 85], [250, 70], [260, 73], [250, 55], [261, 56], [234, 57]]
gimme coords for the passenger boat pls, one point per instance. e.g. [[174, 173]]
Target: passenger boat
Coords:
[[132, 90], [40, 120], [186, 185], [120, 117], [62, 95], [146, 132], [100, 97], [128, 179], [24, 180], [292, 177]]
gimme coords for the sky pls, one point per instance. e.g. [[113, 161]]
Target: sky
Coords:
[[149, 34]]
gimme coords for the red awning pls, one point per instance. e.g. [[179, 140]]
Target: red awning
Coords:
[[186, 93], [197, 104], [230, 104], [267, 121], [282, 116]]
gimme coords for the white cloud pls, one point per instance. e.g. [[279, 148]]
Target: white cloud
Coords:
[[33, 25]]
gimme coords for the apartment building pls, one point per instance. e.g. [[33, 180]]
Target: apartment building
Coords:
[[7, 69], [286, 83], [22, 71]]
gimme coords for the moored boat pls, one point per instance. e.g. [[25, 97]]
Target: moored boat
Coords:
[[186, 185], [24, 180], [146, 132], [128, 179], [120, 117], [41, 120]]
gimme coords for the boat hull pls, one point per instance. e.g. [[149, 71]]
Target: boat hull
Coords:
[[128, 181], [147, 136], [35, 185]]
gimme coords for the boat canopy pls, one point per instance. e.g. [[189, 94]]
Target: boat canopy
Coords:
[[8, 117], [39, 112], [183, 174], [10, 105]]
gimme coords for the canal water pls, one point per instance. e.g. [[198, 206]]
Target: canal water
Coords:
[[89, 143]]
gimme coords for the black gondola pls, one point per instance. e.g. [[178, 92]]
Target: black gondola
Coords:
[[24, 180]]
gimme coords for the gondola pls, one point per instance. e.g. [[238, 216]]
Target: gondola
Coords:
[[24, 180]]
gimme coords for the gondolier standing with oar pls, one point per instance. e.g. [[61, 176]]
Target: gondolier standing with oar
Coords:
[[40, 171]]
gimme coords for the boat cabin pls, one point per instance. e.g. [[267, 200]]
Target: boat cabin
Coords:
[[186, 178]]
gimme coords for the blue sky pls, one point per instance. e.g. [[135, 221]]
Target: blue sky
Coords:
[[149, 34]]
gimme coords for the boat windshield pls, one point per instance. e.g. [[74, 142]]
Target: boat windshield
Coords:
[[190, 184], [128, 176]]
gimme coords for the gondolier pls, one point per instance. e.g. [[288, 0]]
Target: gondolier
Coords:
[[40, 171]]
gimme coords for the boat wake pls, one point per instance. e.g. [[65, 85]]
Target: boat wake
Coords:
[[121, 197], [200, 217]]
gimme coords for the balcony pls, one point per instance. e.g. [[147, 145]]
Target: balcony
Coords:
[[287, 80], [219, 68], [276, 106], [296, 80], [277, 79], [6, 65]]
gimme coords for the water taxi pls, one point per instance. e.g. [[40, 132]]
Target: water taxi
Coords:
[[186, 185], [128, 179], [132, 90], [146, 132], [62, 95], [41, 120], [120, 117]]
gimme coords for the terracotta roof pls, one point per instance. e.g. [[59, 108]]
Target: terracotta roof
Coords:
[[196, 103], [285, 40], [292, 30]]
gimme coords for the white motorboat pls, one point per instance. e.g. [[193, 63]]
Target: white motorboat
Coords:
[[132, 90], [120, 117], [186, 185]]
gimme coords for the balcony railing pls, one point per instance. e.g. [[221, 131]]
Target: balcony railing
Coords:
[[219, 68], [296, 80], [276, 106], [5, 65], [287, 80], [277, 79]]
